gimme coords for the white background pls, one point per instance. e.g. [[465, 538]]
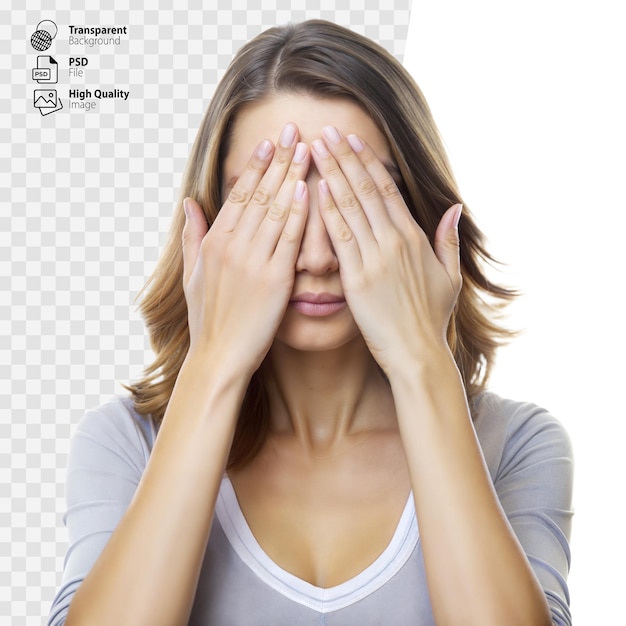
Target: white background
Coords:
[[530, 100]]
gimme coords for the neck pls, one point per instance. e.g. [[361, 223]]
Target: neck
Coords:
[[322, 397]]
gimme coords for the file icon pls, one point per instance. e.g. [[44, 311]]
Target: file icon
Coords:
[[47, 70]]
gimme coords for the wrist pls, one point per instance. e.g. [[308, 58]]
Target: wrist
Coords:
[[426, 362], [207, 372]]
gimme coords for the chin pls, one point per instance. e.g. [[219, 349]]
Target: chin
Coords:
[[314, 335]]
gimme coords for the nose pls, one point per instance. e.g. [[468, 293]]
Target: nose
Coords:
[[316, 255]]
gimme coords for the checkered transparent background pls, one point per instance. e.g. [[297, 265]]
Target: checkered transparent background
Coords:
[[86, 199]]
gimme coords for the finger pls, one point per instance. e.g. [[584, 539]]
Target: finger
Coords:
[[241, 193], [274, 221], [195, 229], [370, 192], [447, 243], [264, 195], [331, 168], [288, 245], [341, 236], [387, 178]]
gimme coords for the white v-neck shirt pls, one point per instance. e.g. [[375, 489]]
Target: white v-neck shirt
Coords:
[[529, 458], [387, 565]]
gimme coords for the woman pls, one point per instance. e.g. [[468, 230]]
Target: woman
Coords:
[[326, 450]]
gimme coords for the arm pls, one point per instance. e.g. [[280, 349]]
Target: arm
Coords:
[[161, 539], [533, 472], [477, 571], [401, 294], [238, 278]]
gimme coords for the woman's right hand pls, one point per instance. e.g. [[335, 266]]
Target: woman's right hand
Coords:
[[239, 274]]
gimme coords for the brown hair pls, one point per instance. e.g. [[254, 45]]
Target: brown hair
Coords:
[[325, 60]]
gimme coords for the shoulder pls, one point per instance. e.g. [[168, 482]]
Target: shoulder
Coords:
[[530, 459], [514, 433], [115, 429]]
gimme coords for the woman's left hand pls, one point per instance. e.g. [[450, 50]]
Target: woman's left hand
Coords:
[[400, 291]]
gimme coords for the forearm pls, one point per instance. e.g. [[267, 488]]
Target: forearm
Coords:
[[148, 571], [476, 570]]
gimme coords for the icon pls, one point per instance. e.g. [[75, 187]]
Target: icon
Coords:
[[42, 38], [47, 70], [46, 101]]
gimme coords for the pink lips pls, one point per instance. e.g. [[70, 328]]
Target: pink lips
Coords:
[[317, 304]]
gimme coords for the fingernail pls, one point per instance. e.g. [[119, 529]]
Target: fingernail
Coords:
[[300, 187], [265, 147], [332, 134], [355, 143], [320, 148], [288, 136], [300, 153], [323, 186], [186, 208]]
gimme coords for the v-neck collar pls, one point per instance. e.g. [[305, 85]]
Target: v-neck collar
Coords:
[[324, 600]]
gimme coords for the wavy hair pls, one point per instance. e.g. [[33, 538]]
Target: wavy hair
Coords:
[[324, 60]]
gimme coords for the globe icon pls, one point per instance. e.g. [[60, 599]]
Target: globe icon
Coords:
[[41, 40]]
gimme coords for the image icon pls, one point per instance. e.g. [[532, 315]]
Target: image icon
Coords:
[[47, 70], [46, 101], [42, 38]]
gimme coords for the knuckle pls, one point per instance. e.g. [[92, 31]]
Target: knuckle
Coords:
[[282, 157], [344, 234], [238, 196], [257, 165], [298, 209], [349, 202], [389, 189], [329, 206], [289, 236], [186, 234], [367, 188], [261, 196], [292, 175], [276, 211], [186, 244], [331, 168], [344, 151]]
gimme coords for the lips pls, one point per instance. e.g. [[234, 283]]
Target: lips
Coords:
[[317, 304]]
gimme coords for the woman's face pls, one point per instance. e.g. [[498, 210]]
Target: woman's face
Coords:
[[306, 327]]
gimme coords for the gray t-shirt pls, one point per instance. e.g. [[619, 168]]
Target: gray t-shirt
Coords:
[[529, 458]]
